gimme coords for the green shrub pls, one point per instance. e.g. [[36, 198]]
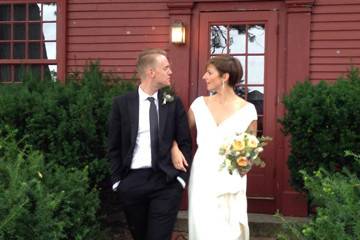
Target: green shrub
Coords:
[[323, 121], [337, 197], [43, 201], [66, 122]]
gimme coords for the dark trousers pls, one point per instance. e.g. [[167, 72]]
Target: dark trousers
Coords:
[[150, 203]]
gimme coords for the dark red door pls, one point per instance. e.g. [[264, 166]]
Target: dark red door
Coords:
[[252, 38]]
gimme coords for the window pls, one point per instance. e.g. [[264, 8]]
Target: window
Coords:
[[28, 40]]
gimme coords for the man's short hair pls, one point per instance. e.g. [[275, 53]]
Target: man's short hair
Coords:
[[147, 58]]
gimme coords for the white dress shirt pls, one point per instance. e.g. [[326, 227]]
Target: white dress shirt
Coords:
[[142, 150]]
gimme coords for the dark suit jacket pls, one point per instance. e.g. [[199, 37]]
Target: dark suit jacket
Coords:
[[123, 129]]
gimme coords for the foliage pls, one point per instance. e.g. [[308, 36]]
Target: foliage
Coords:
[[66, 122], [323, 121], [337, 197], [43, 201]]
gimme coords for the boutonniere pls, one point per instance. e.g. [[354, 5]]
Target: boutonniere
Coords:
[[168, 95]]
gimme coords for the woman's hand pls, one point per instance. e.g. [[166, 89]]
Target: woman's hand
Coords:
[[178, 158]]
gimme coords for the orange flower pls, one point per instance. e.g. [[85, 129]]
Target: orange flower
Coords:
[[242, 161]]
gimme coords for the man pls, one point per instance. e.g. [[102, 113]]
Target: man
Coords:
[[142, 128]]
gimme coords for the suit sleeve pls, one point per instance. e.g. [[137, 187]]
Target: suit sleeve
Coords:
[[183, 136], [114, 141]]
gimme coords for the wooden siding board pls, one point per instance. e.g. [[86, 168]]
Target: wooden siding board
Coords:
[[335, 17], [325, 75], [106, 62], [335, 52], [104, 55], [333, 44], [121, 7], [104, 47], [335, 26], [336, 60], [119, 22], [335, 35], [329, 68], [112, 1], [355, 8], [335, 2], [106, 68], [117, 15], [120, 39], [118, 31]]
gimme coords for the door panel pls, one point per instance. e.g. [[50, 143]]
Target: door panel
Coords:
[[252, 38]]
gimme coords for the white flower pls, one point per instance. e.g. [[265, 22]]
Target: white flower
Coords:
[[167, 98]]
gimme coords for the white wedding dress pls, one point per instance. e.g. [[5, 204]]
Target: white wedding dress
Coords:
[[217, 200]]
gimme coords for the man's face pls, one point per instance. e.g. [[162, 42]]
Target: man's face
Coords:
[[162, 72]]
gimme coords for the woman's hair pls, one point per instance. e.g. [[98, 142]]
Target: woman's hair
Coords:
[[148, 58], [228, 64]]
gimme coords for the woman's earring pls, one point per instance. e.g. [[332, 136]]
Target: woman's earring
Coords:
[[223, 84]]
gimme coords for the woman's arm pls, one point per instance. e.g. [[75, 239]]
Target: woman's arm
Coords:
[[252, 129]]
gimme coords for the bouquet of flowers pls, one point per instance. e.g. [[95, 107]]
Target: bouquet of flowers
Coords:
[[242, 152]]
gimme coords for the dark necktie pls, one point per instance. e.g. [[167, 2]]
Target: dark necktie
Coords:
[[154, 132]]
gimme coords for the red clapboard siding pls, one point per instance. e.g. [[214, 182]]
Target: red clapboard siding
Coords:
[[335, 38], [114, 32]]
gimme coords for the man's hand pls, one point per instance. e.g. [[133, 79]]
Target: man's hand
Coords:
[[178, 158]]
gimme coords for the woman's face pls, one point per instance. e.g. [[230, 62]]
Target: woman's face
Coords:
[[212, 78]]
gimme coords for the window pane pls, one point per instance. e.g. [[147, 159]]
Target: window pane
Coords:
[[218, 39], [240, 90], [35, 71], [50, 72], [50, 50], [5, 73], [34, 50], [19, 12], [237, 39], [49, 12], [4, 50], [34, 12], [49, 31], [19, 50], [5, 31], [243, 65], [256, 70], [20, 71], [5, 12], [19, 31], [256, 97], [34, 31], [256, 37]]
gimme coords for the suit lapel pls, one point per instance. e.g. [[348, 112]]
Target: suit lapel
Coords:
[[162, 113], [133, 110]]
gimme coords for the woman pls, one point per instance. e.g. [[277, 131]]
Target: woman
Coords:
[[217, 200]]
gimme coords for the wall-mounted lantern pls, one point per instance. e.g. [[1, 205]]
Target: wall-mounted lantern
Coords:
[[178, 33]]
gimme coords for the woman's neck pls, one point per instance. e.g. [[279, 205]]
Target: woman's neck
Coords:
[[225, 95]]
